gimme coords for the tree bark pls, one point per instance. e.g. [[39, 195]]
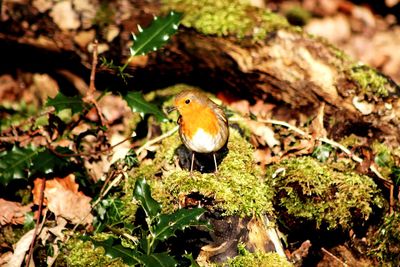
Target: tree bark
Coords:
[[288, 65]]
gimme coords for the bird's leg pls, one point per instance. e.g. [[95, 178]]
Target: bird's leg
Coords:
[[215, 162], [191, 165]]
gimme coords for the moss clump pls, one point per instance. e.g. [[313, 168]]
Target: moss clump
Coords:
[[257, 259], [309, 190], [83, 253], [371, 83], [222, 18], [237, 189], [297, 15]]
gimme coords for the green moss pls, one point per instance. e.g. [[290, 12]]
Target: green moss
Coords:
[[83, 253], [386, 241], [370, 81], [297, 15], [237, 189], [312, 191], [383, 158], [257, 259], [222, 18]]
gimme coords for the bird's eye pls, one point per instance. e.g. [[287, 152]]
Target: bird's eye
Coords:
[[187, 101]]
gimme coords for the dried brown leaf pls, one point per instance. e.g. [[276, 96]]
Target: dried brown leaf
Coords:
[[62, 197], [12, 212]]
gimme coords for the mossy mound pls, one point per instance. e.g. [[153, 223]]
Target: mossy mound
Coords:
[[257, 259], [223, 18], [237, 189], [83, 253], [308, 190]]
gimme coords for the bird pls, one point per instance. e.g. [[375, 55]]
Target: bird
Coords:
[[203, 126]]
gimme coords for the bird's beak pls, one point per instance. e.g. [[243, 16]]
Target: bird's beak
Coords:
[[170, 109]]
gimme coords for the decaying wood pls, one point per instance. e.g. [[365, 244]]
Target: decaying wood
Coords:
[[290, 66]]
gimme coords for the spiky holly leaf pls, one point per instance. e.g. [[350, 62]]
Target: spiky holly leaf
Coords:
[[14, 164], [114, 249], [158, 259], [46, 162], [168, 224], [60, 102], [137, 103], [142, 194], [156, 35]]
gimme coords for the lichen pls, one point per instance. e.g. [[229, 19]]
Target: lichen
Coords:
[[311, 191], [369, 81], [224, 18], [257, 259]]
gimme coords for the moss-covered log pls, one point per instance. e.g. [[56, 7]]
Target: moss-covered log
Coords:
[[228, 45]]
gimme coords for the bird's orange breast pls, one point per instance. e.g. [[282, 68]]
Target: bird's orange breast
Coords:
[[199, 116]]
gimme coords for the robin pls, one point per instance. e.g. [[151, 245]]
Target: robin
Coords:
[[203, 126]]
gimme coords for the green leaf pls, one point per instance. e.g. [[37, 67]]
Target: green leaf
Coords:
[[168, 224], [143, 195], [29, 222], [46, 162], [383, 159], [322, 152], [61, 102], [156, 35], [158, 259], [137, 103], [15, 164], [396, 175], [115, 250], [108, 213], [193, 262]]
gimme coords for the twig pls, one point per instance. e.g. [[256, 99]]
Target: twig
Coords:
[[134, 239], [156, 140], [333, 256], [333, 143], [89, 98], [43, 186]]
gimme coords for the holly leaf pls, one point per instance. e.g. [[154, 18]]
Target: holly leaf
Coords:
[[158, 259], [142, 194], [14, 164], [115, 250], [47, 162], [137, 103], [61, 102], [168, 224], [156, 35]]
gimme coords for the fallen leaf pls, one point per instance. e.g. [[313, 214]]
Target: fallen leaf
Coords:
[[84, 38], [5, 258], [62, 197], [64, 16], [42, 5], [20, 250], [12, 212], [317, 128], [335, 29], [266, 135]]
